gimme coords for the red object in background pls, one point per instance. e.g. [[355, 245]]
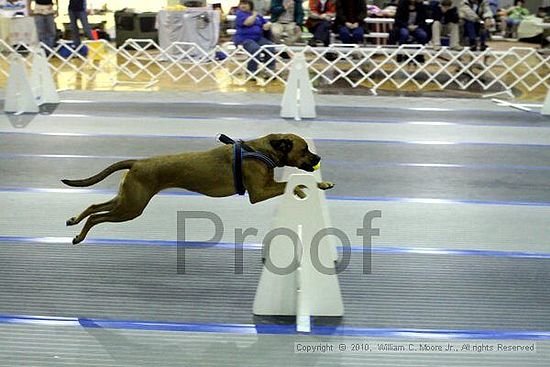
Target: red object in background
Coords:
[[95, 35]]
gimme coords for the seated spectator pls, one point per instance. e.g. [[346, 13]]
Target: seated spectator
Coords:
[[250, 28], [410, 21], [511, 18], [350, 15], [319, 22], [446, 19], [478, 18], [287, 17]]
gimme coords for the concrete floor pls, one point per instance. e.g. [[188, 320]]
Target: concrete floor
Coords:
[[463, 253]]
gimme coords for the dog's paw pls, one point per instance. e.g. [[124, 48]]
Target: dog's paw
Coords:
[[325, 185], [71, 221], [77, 240]]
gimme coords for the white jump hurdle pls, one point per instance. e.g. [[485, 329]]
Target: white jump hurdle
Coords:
[[42, 81], [25, 94], [546, 106], [19, 94], [298, 101], [302, 289], [288, 171]]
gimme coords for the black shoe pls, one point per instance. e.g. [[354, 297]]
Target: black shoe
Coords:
[[483, 48], [330, 56], [473, 48], [420, 59], [285, 55], [312, 42]]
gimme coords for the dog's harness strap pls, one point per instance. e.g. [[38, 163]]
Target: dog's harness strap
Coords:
[[261, 156], [242, 151], [238, 169]]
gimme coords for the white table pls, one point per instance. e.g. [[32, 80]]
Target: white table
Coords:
[[194, 25], [10, 9], [18, 30]]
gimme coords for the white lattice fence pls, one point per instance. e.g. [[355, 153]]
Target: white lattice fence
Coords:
[[407, 66]]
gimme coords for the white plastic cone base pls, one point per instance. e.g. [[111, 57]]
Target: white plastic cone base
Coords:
[[306, 291], [19, 95], [298, 101], [42, 81], [546, 106]]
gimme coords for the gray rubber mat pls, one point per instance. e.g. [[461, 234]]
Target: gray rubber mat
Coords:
[[488, 173], [126, 279], [141, 283], [378, 114], [346, 151], [24, 345]]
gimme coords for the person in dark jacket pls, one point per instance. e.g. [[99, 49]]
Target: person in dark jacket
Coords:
[[446, 19], [287, 17], [250, 29], [350, 15], [410, 20]]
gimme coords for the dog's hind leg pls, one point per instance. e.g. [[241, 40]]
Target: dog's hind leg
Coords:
[[115, 215], [92, 209], [131, 201]]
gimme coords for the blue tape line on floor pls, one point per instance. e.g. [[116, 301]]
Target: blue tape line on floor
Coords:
[[257, 246], [276, 329]]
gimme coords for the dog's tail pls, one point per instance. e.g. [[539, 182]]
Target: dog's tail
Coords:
[[101, 175]]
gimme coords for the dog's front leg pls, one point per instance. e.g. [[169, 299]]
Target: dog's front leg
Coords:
[[278, 188], [325, 185], [261, 193]]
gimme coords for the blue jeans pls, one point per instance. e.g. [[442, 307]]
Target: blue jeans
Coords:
[[83, 17], [473, 30], [254, 46], [321, 32], [351, 35], [419, 35], [512, 22], [45, 27]]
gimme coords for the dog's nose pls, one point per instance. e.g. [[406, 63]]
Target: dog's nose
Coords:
[[316, 159]]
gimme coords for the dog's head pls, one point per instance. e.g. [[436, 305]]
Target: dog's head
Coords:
[[292, 150]]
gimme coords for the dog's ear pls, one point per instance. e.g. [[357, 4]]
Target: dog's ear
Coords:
[[282, 145]]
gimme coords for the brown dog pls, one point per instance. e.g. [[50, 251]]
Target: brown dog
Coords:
[[209, 173]]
